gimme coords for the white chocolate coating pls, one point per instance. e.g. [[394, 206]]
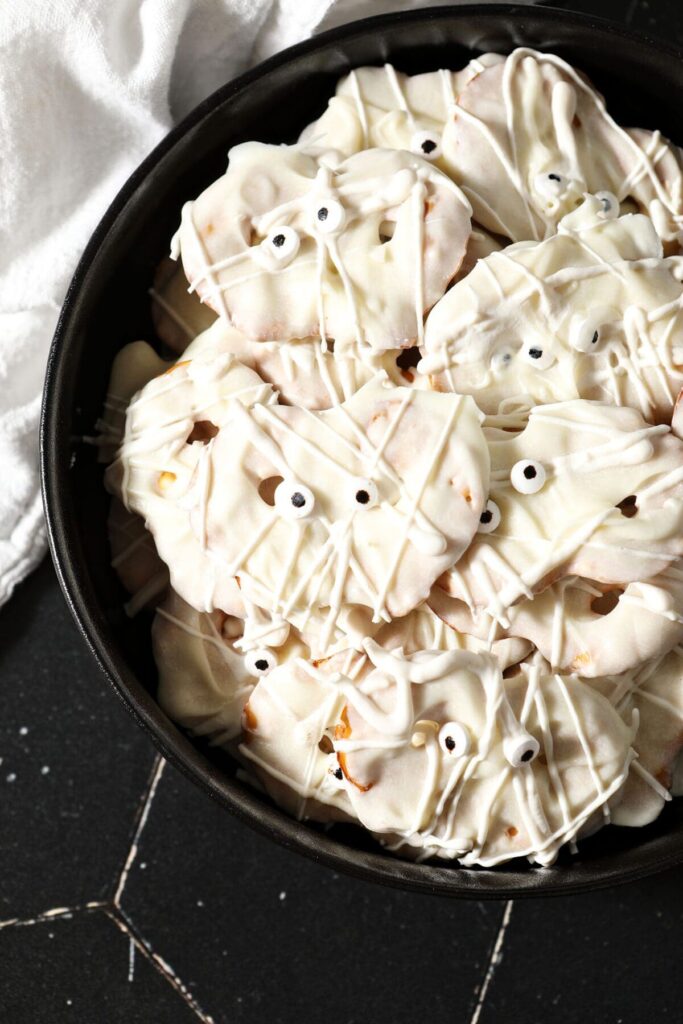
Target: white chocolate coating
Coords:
[[384, 556], [482, 807], [592, 312], [256, 248], [594, 456], [382, 107], [532, 117]]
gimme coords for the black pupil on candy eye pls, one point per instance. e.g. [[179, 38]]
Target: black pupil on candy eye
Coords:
[[428, 146], [594, 339], [554, 177], [362, 497], [450, 743], [529, 472], [535, 353], [485, 517], [322, 213], [279, 241], [339, 774], [262, 664], [298, 500], [527, 755]]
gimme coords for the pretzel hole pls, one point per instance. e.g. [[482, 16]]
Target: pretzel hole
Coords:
[[407, 360], [326, 745], [203, 431], [606, 603], [267, 488], [628, 506], [386, 231]]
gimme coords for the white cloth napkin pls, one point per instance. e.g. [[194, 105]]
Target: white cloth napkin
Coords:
[[87, 88]]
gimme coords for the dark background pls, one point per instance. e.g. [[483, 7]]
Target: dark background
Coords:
[[127, 895]]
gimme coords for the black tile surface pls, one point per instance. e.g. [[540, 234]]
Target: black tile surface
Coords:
[[81, 969], [72, 763], [126, 895], [264, 934]]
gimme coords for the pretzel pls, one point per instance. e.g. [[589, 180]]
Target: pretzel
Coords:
[[529, 136], [206, 671], [178, 314], [365, 504], [283, 246], [592, 312], [162, 462], [440, 753], [386, 108], [584, 490]]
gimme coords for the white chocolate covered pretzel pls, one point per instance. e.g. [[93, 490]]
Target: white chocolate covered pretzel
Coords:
[[283, 246], [439, 752], [563, 496], [382, 107], [529, 136], [592, 312]]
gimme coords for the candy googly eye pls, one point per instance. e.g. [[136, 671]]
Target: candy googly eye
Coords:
[[585, 332], [335, 773], [293, 500], [454, 739], [489, 520], [609, 203], [426, 144], [538, 355], [520, 749], [282, 244], [260, 661], [502, 359], [328, 216], [364, 493], [527, 476], [551, 185]]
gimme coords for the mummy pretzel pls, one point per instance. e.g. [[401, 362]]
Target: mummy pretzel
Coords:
[[400, 489], [529, 136], [592, 312], [283, 246]]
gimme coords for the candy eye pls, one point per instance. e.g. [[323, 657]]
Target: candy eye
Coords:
[[501, 359], [454, 739], [550, 185], [538, 355], [489, 520], [426, 144], [260, 661], [329, 216], [520, 749], [527, 476], [335, 773], [282, 244], [609, 203], [364, 493], [584, 333], [293, 500]]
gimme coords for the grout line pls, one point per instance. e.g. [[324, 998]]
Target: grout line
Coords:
[[494, 960], [52, 915], [123, 922], [145, 807]]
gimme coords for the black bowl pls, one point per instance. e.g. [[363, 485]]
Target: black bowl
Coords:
[[107, 306]]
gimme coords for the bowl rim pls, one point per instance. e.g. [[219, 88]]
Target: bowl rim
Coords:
[[439, 879]]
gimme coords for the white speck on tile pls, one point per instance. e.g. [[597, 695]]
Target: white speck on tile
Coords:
[[50, 935], [143, 865], [12, 777], [283, 896], [68, 1002], [200, 903], [45, 770], [23, 731]]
